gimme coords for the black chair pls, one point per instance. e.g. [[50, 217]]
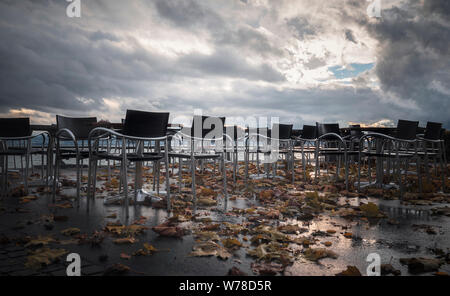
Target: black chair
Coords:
[[207, 141], [432, 146], [397, 149], [16, 140], [286, 144], [306, 141], [236, 136], [309, 132], [256, 143], [355, 133], [139, 127], [71, 143], [275, 141], [333, 146]]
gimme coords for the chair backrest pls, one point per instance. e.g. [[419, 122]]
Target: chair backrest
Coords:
[[355, 131], [284, 130], [15, 127], [309, 132], [146, 124], [204, 125], [296, 132], [80, 127], [234, 132], [433, 131], [325, 128], [406, 130]]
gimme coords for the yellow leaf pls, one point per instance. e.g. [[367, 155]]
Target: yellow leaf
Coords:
[[70, 231]]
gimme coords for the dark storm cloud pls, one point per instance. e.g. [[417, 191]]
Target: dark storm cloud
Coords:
[[226, 57], [228, 64], [301, 27], [414, 55], [299, 106], [53, 64], [250, 39], [349, 36], [439, 7], [187, 13]]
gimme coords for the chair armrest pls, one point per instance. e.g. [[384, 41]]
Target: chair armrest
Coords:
[[24, 138], [120, 135], [383, 136]]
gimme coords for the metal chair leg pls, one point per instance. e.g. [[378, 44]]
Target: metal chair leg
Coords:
[[55, 176], [442, 164], [169, 204], [194, 194], [246, 160], [293, 167], [359, 172], [27, 163], [235, 156], [419, 174], [125, 184], [94, 180], [158, 165], [4, 175], [78, 180], [225, 191], [346, 171], [89, 186], [154, 175], [180, 172]]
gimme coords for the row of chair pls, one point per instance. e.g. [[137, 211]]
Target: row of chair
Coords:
[[144, 138]]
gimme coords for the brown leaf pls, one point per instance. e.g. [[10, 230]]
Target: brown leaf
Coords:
[[350, 271], [125, 240], [165, 229], [125, 256], [70, 231], [43, 256], [116, 269], [319, 253], [234, 271]]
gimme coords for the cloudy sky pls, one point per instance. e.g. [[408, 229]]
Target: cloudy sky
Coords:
[[299, 60]]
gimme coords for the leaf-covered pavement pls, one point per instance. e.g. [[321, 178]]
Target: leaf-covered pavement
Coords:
[[270, 227]]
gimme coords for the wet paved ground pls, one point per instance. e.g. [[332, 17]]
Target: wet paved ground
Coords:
[[394, 237]]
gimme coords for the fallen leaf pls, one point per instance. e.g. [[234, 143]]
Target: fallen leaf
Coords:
[[39, 241], [231, 243], [70, 231], [206, 236], [125, 240], [210, 249], [319, 253], [43, 256], [421, 264], [371, 210], [116, 269], [167, 229], [206, 201], [234, 271], [350, 271], [27, 199], [271, 268], [125, 256]]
